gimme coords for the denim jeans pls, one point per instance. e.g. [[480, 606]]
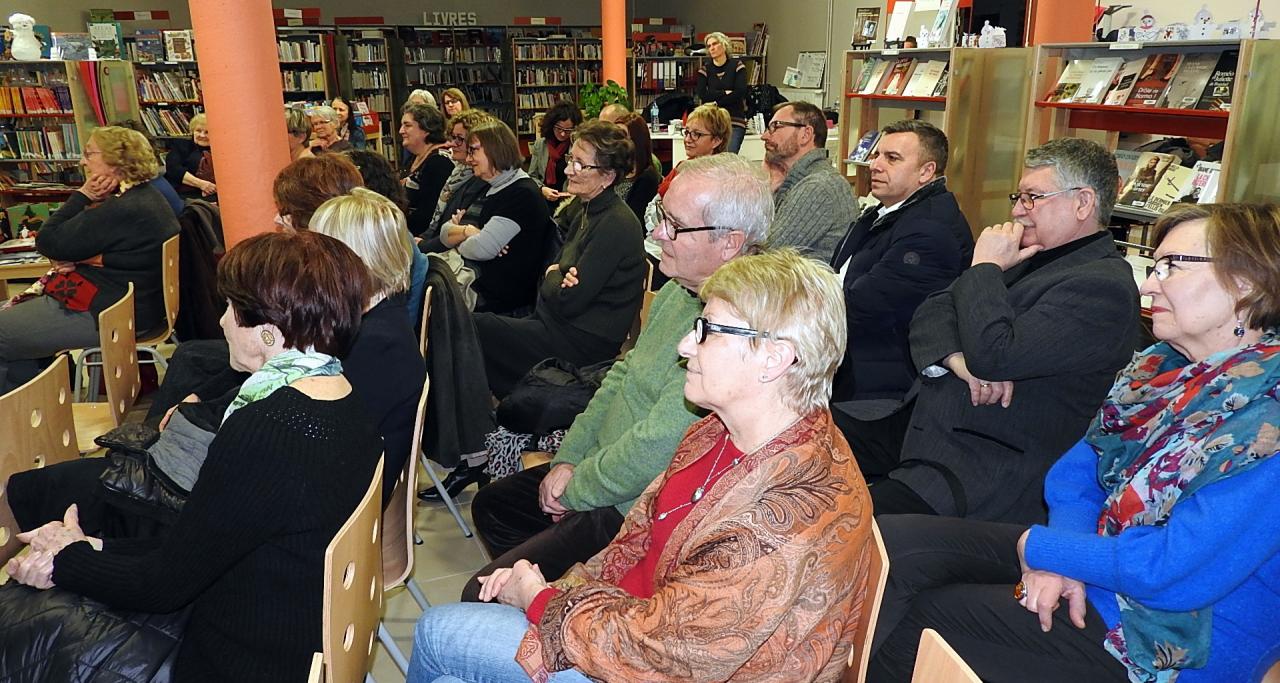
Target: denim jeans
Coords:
[[472, 643], [736, 136]]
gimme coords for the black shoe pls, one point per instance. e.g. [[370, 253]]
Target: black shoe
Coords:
[[460, 478]]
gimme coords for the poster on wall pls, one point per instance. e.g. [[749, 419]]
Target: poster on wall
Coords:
[[898, 22]]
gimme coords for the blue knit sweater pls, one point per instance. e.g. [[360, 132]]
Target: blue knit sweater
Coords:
[[1221, 547]]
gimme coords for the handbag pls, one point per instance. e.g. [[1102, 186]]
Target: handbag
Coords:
[[550, 396], [132, 482]]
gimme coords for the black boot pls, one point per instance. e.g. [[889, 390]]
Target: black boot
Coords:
[[460, 478]]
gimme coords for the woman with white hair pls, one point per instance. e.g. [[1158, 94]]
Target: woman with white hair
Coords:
[[324, 130], [751, 541], [421, 96], [723, 81]]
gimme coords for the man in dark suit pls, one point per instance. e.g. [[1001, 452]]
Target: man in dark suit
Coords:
[[1018, 353], [914, 243]]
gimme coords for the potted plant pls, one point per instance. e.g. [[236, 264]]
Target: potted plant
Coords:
[[592, 97]]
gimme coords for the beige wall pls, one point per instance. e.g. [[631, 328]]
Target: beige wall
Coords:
[[1171, 11]]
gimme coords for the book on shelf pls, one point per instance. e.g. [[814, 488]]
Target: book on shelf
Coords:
[[1146, 176], [940, 90], [898, 76], [1217, 92], [1202, 186], [1189, 82], [866, 145], [166, 122], [1126, 161], [73, 47], [166, 86], [1156, 74], [303, 49], [878, 73], [178, 46], [1069, 81], [105, 33], [925, 79], [1096, 80], [1169, 190], [1123, 82], [148, 45]]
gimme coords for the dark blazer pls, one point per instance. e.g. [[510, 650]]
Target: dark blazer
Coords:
[[1059, 326], [894, 262]]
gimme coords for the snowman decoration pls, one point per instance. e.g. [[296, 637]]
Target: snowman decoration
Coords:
[[1146, 30], [25, 44], [1202, 27]]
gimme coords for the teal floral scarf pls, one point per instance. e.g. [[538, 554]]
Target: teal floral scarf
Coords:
[[281, 370], [1167, 429]]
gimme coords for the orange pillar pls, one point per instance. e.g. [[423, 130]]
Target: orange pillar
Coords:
[[613, 23], [240, 77], [1059, 21]]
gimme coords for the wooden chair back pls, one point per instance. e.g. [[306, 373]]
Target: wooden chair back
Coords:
[[397, 519], [353, 589], [117, 337], [642, 315], [39, 429], [169, 253], [426, 316], [877, 575], [937, 662]]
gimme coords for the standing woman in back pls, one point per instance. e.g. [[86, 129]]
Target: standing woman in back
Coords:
[[723, 81], [422, 135]]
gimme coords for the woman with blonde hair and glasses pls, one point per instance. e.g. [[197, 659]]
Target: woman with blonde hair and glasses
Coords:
[[106, 235], [189, 163], [1157, 545], [722, 80], [744, 561]]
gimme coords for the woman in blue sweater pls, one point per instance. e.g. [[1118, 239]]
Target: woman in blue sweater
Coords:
[[1159, 543]]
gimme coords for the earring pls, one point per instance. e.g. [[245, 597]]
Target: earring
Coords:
[[268, 338], [1239, 331]]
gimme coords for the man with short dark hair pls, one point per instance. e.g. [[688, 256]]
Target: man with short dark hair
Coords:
[[1049, 308], [814, 203], [914, 243]]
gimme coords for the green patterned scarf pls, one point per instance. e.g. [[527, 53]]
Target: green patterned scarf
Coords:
[[281, 370]]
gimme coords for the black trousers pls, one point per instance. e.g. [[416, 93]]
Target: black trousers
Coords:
[[876, 444], [512, 346], [512, 526], [43, 495], [956, 576]]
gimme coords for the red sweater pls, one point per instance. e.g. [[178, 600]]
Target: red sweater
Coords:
[[674, 498]]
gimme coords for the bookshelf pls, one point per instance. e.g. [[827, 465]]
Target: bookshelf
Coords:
[[1251, 149], [472, 59], [982, 111], [305, 68], [169, 94], [44, 121], [369, 72], [550, 69], [659, 62]]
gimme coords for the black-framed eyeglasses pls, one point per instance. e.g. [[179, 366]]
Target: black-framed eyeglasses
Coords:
[[472, 149], [562, 129], [668, 226], [701, 326], [690, 133], [775, 126], [578, 166], [1029, 199], [1162, 266]]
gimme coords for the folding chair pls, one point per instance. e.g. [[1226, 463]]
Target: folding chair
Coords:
[[116, 345], [877, 575]]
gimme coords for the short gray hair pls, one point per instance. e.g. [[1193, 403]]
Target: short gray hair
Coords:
[[1081, 163], [325, 112], [424, 95], [741, 198], [722, 39]]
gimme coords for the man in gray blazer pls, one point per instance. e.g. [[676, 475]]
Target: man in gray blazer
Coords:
[[1018, 353]]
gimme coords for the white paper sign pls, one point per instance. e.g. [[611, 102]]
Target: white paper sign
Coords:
[[898, 21]]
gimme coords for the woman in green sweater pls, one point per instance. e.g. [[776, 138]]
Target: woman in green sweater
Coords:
[[108, 233], [591, 291]]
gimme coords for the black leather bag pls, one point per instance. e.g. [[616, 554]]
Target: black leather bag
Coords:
[[132, 482], [550, 396]]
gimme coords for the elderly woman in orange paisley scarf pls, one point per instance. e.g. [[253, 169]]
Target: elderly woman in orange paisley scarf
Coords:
[[744, 561]]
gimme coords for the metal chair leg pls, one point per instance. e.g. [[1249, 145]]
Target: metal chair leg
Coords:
[[448, 499], [392, 649], [416, 592], [417, 540]]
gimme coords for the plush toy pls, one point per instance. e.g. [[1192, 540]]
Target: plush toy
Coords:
[[24, 44]]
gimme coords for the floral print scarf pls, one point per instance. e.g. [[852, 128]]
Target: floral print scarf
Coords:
[[1168, 428]]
